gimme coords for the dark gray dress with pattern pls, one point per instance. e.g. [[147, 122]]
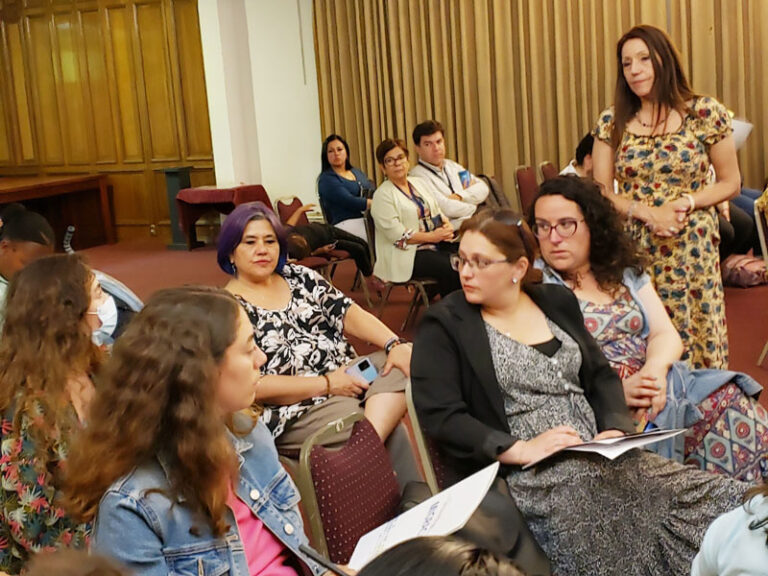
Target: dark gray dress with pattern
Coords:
[[639, 514]]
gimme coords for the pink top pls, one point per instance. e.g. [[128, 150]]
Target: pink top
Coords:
[[265, 554]]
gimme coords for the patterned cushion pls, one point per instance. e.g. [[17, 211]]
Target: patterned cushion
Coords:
[[732, 438], [356, 489]]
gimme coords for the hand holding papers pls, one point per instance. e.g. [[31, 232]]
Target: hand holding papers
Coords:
[[441, 515], [612, 448]]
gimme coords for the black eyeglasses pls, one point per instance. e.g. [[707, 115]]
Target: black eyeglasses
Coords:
[[565, 228]]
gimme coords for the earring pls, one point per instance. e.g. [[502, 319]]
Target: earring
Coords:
[[234, 268], [514, 280]]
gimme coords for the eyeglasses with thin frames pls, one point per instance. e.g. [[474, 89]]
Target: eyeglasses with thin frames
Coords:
[[392, 160], [565, 228], [458, 261]]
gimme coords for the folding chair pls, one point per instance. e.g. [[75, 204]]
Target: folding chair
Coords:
[[422, 443], [761, 221], [527, 187], [420, 296], [547, 171], [349, 491]]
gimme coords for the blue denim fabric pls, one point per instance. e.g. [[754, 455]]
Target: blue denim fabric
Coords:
[[140, 526]]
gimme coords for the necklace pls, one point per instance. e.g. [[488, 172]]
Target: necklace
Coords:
[[645, 125]]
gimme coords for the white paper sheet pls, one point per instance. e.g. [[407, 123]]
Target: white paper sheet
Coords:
[[614, 447], [441, 515]]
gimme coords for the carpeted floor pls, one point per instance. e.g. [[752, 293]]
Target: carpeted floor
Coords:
[[146, 265]]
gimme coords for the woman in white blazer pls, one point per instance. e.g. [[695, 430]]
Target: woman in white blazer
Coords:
[[413, 238]]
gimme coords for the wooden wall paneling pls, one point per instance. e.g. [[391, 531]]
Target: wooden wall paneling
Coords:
[[44, 92], [76, 121], [97, 89], [187, 62], [6, 148], [119, 32], [22, 126], [131, 196], [158, 90]]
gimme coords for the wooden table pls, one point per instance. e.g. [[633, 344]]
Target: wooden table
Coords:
[[73, 205]]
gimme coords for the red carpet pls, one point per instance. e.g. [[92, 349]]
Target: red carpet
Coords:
[[145, 266]]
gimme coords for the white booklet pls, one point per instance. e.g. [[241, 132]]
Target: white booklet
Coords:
[[440, 515], [612, 448]]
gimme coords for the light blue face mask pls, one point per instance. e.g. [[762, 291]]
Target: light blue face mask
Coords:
[[107, 313]]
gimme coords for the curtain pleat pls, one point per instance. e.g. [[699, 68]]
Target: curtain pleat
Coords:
[[519, 82]]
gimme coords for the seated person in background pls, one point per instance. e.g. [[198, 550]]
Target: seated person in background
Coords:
[[188, 480], [343, 189], [320, 239], [505, 370], [438, 555], [412, 234], [24, 236], [457, 191], [46, 362], [582, 164], [585, 247], [736, 544], [300, 322]]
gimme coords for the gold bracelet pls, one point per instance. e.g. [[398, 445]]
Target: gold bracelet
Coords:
[[327, 385]]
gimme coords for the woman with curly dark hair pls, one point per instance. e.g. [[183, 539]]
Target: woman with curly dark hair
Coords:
[[187, 479], [585, 247], [46, 362]]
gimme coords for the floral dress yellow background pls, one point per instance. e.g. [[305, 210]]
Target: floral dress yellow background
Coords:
[[685, 269]]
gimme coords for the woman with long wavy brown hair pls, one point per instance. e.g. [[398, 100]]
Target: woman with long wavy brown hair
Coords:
[[46, 362], [658, 141], [183, 467]]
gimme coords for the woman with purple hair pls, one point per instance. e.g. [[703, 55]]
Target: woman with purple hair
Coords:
[[300, 321]]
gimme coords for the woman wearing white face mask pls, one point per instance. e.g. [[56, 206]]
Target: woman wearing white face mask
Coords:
[[116, 306]]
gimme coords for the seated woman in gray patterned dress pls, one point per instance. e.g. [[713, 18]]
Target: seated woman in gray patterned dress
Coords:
[[506, 371], [584, 247], [300, 320]]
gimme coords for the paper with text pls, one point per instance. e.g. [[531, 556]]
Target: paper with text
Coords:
[[612, 448], [440, 515]]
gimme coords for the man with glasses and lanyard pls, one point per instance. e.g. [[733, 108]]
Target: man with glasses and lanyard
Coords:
[[456, 189]]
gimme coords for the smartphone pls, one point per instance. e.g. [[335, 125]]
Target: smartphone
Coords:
[[437, 221], [364, 370]]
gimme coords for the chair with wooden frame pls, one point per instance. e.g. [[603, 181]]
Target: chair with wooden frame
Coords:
[[349, 491], [527, 187], [547, 171], [761, 221]]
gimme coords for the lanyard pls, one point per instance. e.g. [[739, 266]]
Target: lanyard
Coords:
[[416, 199], [436, 173]]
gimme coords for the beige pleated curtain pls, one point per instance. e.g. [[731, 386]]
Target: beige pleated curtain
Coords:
[[518, 82]]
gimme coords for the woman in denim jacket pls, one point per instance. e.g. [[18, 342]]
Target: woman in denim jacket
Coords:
[[180, 478]]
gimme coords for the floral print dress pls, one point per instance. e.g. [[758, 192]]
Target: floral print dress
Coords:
[[685, 269], [32, 519]]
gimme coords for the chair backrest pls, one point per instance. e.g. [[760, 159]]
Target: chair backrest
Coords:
[[285, 210], [527, 187], [370, 234], [497, 198], [548, 171], [761, 221], [349, 491], [422, 445]]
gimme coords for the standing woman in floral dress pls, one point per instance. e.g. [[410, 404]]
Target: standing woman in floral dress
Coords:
[[659, 140]]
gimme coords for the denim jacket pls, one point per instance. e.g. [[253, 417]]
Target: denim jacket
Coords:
[[154, 536]]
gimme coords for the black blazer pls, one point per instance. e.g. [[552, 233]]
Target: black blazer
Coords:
[[457, 396]]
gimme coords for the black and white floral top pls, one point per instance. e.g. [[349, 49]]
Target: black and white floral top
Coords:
[[306, 338]]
